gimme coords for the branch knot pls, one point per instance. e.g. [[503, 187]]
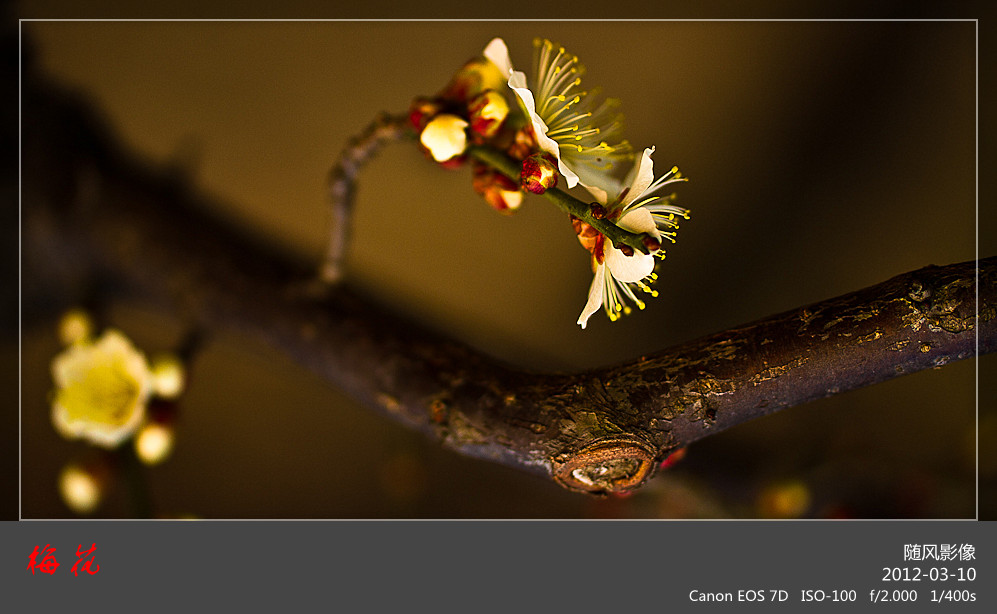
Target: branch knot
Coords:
[[608, 465]]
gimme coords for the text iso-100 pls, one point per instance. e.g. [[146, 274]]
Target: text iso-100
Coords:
[[835, 595], [930, 574]]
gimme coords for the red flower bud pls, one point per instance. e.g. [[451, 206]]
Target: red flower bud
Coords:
[[539, 173], [421, 111], [487, 111], [498, 190], [523, 144]]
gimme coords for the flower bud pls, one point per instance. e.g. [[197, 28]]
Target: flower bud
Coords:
[[487, 111], [421, 111], [539, 173], [169, 377], [75, 326], [473, 78], [444, 137], [82, 485], [154, 442], [523, 144], [498, 190]]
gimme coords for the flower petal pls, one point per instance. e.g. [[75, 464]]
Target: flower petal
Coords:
[[639, 220], [629, 268], [498, 54], [517, 81], [595, 296], [599, 183], [600, 195], [640, 177]]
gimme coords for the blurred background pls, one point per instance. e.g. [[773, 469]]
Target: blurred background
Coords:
[[823, 157]]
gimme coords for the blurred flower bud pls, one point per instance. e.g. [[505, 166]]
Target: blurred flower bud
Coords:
[[75, 326], [539, 173], [473, 78], [498, 190], [154, 442], [487, 111], [444, 137], [169, 377], [82, 486], [523, 144], [421, 111]]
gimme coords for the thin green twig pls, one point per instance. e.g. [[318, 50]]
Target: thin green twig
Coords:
[[567, 203]]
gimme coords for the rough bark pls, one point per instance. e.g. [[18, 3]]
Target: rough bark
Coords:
[[91, 213]]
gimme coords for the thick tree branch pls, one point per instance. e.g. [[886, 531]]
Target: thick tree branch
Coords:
[[89, 212]]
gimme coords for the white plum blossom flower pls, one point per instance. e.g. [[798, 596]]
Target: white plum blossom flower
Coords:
[[637, 209], [566, 121], [102, 390]]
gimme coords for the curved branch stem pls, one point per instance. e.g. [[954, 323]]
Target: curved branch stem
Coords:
[[598, 431], [342, 184], [390, 128]]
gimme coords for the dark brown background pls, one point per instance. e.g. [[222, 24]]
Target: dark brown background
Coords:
[[823, 157]]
